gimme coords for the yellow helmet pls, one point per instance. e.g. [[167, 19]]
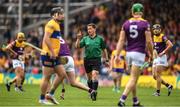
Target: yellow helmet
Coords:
[[21, 36]]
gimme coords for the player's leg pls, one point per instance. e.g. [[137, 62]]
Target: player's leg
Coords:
[[157, 76], [60, 71], [88, 70], [74, 83], [8, 85], [47, 72], [19, 71], [62, 91], [135, 72], [136, 60], [118, 83]]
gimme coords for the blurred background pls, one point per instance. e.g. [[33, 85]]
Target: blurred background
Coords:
[[30, 16]]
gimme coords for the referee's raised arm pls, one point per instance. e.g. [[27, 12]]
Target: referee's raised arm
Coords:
[[79, 36]]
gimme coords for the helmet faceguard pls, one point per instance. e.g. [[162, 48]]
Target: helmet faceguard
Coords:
[[156, 28]]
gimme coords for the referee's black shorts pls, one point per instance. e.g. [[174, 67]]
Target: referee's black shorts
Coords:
[[92, 64]]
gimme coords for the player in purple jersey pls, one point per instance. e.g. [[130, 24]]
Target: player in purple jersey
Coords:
[[136, 31], [161, 45], [70, 71], [17, 48]]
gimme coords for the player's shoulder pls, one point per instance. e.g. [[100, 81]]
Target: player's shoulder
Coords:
[[50, 23]]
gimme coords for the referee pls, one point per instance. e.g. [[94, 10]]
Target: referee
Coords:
[[94, 45]]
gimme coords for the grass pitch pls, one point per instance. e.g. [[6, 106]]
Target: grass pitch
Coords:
[[76, 97]]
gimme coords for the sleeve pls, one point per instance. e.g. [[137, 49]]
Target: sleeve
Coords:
[[49, 27], [147, 26], [113, 53], [103, 44], [165, 39], [11, 44], [82, 42]]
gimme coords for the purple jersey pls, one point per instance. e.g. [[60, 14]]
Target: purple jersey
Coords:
[[135, 34], [160, 42], [64, 49], [18, 48]]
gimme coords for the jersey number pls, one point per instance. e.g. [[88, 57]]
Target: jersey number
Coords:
[[133, 31]]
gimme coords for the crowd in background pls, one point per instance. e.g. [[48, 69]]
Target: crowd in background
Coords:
[[109, 19]]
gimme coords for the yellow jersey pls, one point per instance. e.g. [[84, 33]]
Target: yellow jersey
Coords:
[[121, 64], [53, 27]]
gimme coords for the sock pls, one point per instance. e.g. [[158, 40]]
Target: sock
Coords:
[[10, 83], [42, 97], [95, 85], [158, 91], [90, 90], [63, 90], [166, 84], [135, 100], [52, 91], [123, 98], [22, 81], [89, 82]]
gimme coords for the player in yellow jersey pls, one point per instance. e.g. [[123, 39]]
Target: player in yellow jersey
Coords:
[[117, 69], [51, 45]]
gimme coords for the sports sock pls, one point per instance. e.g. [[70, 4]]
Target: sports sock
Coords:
[[95, 85], [89, 82], [158, 91], [52, 91], [135, 100], [123, 98], [42, 97], [90, 90]]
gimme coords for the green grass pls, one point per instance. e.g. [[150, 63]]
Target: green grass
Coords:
[[76, 97]]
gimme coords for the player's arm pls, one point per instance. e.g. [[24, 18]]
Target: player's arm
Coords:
[[149, 42], [48, 43], [120, 43], [79, 36], [9, 48], [169, 45], [105, 55], [111, 62]]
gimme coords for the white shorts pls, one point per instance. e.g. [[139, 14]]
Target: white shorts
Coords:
[[69, 67], [135, 58], [160, 61], [17, 63]]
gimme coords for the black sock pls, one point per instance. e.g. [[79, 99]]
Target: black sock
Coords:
[[167, 85], [158, 91], [52, 91], [89, 82], [90, 90], [63, 90], [95, 85], [10, 83], [22, 81]]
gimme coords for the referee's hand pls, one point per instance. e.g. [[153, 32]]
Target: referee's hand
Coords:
[[79, 35]]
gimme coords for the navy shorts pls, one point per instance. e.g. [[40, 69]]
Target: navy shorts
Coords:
[[49, 62], [118, 70]]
